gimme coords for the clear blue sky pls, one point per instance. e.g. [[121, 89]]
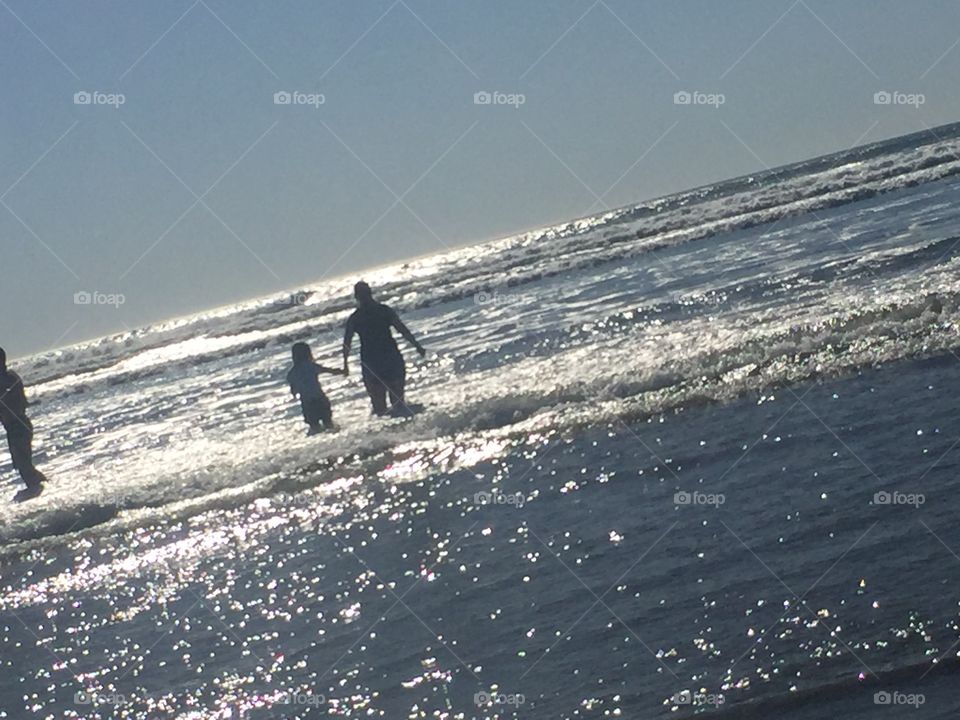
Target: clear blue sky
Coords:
[[102, 198]]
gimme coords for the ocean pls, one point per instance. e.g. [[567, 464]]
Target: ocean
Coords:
[[695, 456]]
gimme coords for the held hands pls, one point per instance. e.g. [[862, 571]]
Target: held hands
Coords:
[[346, 368]]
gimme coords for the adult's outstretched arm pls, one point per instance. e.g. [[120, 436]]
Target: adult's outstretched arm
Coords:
[[405, 331], [348, 333]]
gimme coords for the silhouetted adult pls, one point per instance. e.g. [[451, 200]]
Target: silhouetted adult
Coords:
[[13, 417], [384, 372]]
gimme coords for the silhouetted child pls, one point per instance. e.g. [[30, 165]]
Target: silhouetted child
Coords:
[[304, 384]]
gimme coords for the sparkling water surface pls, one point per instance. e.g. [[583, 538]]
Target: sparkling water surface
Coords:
[[715, 477], [588, 574]]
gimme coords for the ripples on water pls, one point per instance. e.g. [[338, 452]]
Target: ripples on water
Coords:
[[577, 583], [638, 487]]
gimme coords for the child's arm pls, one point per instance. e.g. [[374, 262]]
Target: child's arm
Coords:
[[331, 371]]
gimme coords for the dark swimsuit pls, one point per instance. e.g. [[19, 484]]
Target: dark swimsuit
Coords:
[[384, 370]]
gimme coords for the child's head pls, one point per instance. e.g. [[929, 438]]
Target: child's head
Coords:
[[301, 353]]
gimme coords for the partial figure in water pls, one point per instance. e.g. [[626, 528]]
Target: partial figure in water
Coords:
[[384, 372], [305, 385], [19, 429]]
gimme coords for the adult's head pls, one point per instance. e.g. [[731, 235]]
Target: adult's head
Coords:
[[301, 353], [363, 293], [3, 361]]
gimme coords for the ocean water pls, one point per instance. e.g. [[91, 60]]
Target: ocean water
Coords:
[[696, 456]]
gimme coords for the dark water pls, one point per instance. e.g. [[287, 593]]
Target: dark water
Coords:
[[581, 585], [644, 483]]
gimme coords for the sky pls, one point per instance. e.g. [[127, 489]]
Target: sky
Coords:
[[151, 166]]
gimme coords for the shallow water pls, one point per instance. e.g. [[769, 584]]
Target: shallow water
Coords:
[[643, 484], [565, 570]]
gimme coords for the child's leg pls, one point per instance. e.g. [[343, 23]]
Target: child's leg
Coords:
[[325, 411], [310, 415]]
